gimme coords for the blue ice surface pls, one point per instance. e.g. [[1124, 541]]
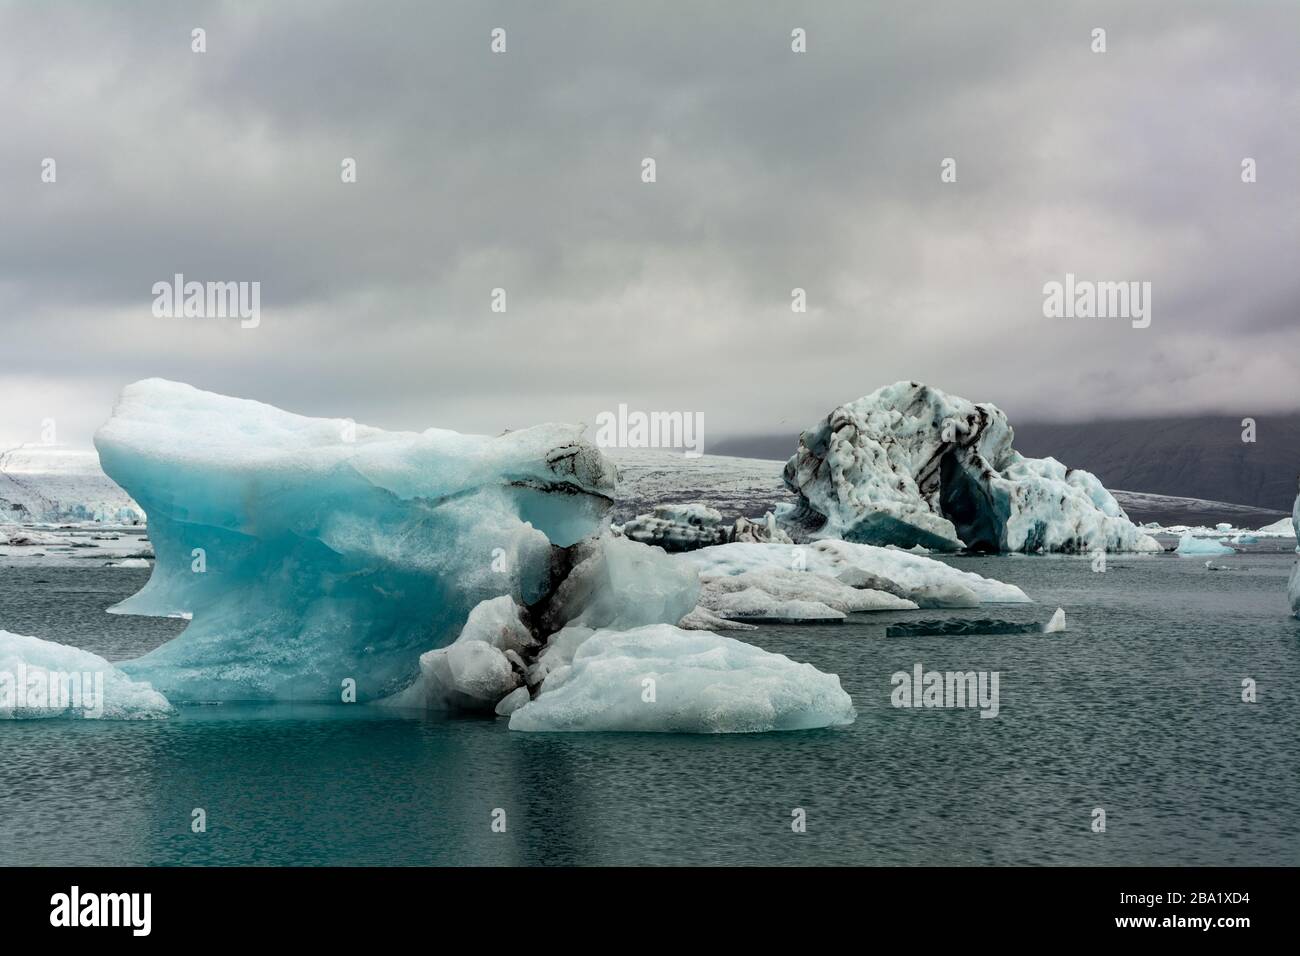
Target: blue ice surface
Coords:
[[313, 551]]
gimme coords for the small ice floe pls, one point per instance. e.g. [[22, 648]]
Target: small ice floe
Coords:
[[779, 595], [40, 678], [660, 678], [1191, 546]]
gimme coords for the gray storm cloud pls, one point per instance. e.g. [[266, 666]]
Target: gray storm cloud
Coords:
[[521, 171]]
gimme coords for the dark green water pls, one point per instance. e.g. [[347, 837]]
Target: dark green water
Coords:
[[1136, 709]]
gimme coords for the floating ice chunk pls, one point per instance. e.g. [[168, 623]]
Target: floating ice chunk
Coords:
[[662, 678], [1284, 527], [910, 465], [945, 594], [685, 527], [914, 577], [311, 551], [678, 527], [621, 584], [1191, 546], [512, 702], [43, 679], [702, 619], [1057, 623], [786, 585], [480, 668], [755, 604]]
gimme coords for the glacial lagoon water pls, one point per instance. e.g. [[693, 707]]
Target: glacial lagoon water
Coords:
[[1135, 709]]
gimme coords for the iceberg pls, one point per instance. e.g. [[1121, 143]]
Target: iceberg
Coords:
[[41, 678], [313, 552], [923, 580], [1282, 528], [318, 559], [910, 465], [779, 594], [1189, 545], [684, 527], [661, 678]]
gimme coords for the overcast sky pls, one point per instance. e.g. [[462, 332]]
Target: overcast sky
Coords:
[[522, 171]]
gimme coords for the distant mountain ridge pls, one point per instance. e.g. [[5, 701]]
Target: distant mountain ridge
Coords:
[[1200, 457]]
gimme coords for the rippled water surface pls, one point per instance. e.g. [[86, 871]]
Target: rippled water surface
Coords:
[[1136, 709]]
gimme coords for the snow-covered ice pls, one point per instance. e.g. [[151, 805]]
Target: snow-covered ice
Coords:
[[662, 678], [910, 465]]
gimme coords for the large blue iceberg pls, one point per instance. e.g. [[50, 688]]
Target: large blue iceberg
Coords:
[[322, 560], [313, 551]]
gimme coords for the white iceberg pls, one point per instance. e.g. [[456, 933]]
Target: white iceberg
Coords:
[[477, 671], [41, 678], [755, 604], [922, 580], [661, 678], [910, 465], [1189, 545], [1282, 528], [779, 594]]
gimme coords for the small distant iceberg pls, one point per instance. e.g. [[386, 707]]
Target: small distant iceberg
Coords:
[[911, 465], [1191, 546], [685, 527], [1282, 528]]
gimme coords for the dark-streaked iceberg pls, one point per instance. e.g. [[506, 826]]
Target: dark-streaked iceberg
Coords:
[[910, 465]]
